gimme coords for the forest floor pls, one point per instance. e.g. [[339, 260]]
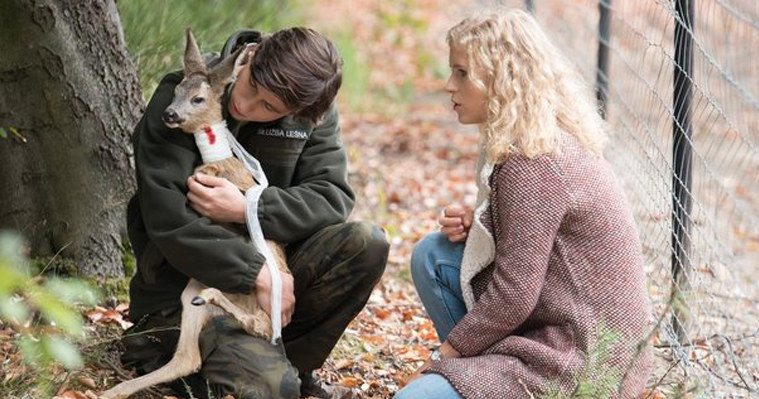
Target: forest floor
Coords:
[[408, 158]]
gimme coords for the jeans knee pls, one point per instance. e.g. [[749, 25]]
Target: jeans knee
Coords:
[[423, 254]]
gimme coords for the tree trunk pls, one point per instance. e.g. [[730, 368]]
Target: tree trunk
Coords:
[[69, 88]]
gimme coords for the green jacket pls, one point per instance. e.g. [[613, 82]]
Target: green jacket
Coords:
[[307, 171]]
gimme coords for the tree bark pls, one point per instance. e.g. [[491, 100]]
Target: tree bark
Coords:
[[70, 89]]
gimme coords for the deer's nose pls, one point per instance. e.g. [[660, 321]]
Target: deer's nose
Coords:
[[171, 117]]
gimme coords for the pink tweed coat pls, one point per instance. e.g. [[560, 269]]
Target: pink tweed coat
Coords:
[[568, 266]]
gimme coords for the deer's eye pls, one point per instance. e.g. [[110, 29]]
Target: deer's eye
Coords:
[[197, 100]]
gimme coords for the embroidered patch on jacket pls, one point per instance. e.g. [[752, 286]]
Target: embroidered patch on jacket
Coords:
[[290, 134]]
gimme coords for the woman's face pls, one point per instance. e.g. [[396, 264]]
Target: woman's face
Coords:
[[252, 102], [469, 99]]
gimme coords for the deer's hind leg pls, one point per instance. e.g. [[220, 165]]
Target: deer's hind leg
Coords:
[[186, 359]]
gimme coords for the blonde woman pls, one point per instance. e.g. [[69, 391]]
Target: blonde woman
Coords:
[[540, 289]]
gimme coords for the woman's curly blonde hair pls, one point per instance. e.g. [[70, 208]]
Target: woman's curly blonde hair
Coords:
[[535, 95]]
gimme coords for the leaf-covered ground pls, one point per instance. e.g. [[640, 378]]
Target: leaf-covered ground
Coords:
[[407, 162]]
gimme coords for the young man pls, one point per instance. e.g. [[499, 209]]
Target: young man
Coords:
[[281, 108]]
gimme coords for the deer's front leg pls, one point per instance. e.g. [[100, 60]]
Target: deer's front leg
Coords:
[[209, 169]]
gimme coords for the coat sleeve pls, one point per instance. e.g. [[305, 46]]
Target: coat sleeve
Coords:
[[319, 196], [192, 244], [528, 204]]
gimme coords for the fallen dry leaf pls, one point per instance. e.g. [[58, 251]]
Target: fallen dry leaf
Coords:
[[648, 394], [351, 382], [87, 382], [381, 313], [343, 364], [99, 314]]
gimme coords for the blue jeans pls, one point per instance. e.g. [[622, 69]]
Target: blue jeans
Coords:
[[435, 268], [431, 386]]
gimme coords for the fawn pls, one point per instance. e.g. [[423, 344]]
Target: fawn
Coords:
[[197, 109]]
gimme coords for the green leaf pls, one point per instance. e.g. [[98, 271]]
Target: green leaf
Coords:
[[58, 312], [63, 351], [32, 351], [72, 291], [3, 133], [18, 135], [11, 249], [14, 310], [11, 278]]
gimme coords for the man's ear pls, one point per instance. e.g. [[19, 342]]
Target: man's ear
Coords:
[[193, 62], [222, 73]]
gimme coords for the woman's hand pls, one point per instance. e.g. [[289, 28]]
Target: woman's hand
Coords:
[[446, 351], [455, 222], [263, 293], [216, 198]]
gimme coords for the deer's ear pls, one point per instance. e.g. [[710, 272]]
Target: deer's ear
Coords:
[[193, 62], [223, 72]]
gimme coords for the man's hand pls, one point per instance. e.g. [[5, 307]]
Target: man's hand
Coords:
[[216, 198], [263, 293], [446, 351], [455, 222]]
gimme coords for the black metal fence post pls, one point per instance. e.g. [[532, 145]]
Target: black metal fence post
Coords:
[[682, 147], [602, 72]]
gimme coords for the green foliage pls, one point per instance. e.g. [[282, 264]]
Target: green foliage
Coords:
[[355, 86], [154, 30], [115, 288], [597, 380], [41, 310], [356, 91], [402, 17], [13, 132], [56, 265], [391, 96]]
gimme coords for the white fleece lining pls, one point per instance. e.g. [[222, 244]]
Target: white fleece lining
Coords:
[[479, 250]]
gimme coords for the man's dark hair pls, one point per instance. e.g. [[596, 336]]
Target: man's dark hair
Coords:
[[302, 68]]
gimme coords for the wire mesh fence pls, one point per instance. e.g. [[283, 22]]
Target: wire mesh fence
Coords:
[[705, 296]]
